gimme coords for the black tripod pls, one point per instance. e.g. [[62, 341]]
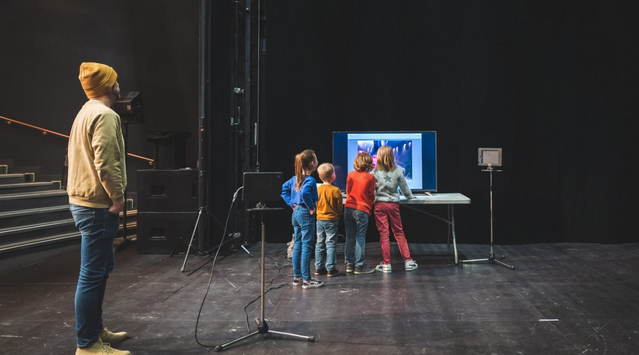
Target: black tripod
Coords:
[[262, 326], [209, 252], [491, 257]]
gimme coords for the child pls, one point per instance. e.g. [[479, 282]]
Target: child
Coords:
[[300, 192], [329, 208], [388, 178], [360, 195]]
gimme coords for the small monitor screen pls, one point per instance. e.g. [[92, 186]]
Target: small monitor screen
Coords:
[[415, 154], [262, 186]]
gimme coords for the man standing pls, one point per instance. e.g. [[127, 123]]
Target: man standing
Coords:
[[96, 184]]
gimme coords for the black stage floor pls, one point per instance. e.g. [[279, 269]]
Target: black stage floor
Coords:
[[560, 299]]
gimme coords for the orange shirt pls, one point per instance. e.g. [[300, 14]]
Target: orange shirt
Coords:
[[360, 191], [329, 206]]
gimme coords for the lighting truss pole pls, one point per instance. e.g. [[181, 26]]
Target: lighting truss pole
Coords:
[[246, 101]]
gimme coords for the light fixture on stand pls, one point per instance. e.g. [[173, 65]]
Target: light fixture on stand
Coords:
[[490, 157], [129, 107]]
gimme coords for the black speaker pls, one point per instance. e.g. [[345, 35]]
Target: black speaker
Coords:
[[169, 151], [167, 190], [129, 107], [160, 232]]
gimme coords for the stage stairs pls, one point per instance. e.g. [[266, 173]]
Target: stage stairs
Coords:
[[34, 215]]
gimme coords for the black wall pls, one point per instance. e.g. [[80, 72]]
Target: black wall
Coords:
[[153, 46], [552, 83]]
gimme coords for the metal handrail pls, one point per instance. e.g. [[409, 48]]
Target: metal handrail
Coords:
[[46, 131]]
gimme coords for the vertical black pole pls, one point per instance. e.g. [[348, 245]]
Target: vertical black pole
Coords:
[[248, 92], [260, 85], [204, 117]]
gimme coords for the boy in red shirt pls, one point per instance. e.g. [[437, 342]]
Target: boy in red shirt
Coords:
[[360, 196]]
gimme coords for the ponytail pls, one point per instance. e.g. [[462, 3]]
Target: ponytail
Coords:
[[302, 162]]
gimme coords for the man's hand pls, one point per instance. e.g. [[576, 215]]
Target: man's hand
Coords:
[[116, 209]]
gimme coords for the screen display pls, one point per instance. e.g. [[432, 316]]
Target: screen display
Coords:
[[415, 154], [262, 186]]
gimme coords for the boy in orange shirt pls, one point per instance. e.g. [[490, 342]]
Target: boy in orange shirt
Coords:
[[360, 195], [329, 208]]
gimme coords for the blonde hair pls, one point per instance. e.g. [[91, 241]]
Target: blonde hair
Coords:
[[325, 171], [363, 162], [385, 159], [302, 162]]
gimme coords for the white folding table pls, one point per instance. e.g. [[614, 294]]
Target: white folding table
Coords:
[[436, 198]]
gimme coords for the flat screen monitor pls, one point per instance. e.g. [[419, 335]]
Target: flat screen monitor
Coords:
[[415, 154], [262, 186]]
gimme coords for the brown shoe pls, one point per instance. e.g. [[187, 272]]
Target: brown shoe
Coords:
[[333, 272], [321, 271], [110, 337], [101, 348]]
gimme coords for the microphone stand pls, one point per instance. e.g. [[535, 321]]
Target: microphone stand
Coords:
[[262, 326]]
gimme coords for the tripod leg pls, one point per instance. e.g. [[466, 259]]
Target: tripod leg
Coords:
[[475, 260], [504, 264], [309, 338], [188, 250], [222, 346], [246, 250], [262, 327]]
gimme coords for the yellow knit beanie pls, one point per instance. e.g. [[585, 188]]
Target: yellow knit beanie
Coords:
[[97, 79]]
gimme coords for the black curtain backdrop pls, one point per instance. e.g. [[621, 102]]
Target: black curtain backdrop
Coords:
[[552, 83], [153, 46]]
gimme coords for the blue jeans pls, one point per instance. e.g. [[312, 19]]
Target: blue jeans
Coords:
[[304, 229], [355, 223], [98, 227], [326, 241]]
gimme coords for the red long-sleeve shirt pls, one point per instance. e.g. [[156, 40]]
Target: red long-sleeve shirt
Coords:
[[360, 191]]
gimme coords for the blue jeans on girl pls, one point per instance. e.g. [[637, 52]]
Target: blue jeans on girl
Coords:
[[304, 229], [355, 223], [326, 242], [98, 227]]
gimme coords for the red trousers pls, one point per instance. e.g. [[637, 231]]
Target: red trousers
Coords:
[[387, 214]]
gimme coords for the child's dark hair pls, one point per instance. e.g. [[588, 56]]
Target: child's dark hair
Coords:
[[302, 162], [363, 162]]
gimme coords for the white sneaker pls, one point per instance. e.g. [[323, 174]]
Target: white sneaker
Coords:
[[410, 265], [385, 268], [312, 283]]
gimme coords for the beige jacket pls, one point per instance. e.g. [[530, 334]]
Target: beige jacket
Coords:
[[96, 155]]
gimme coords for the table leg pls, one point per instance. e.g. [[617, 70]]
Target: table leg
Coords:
[[452, 226]]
